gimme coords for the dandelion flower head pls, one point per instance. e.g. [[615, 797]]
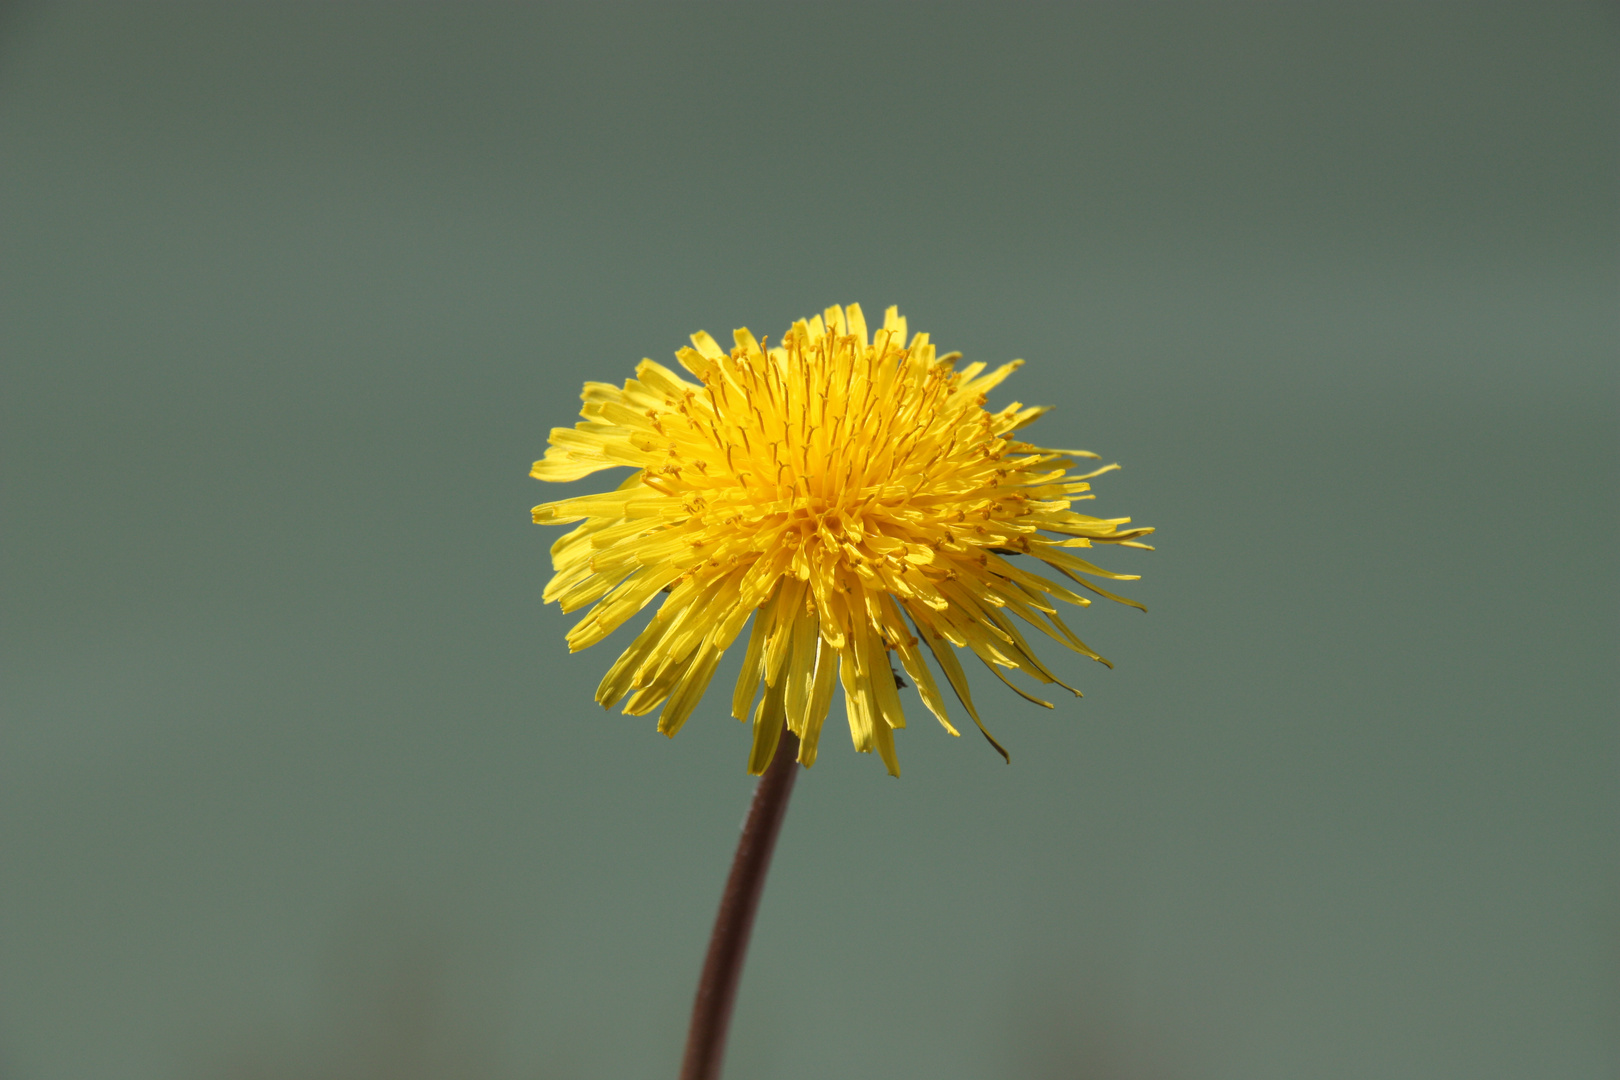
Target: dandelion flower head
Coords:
[[852, 494]]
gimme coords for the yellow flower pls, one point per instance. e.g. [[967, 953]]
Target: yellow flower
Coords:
[[840, 490]]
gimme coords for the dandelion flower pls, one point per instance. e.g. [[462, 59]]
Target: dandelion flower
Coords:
[[852, 494]]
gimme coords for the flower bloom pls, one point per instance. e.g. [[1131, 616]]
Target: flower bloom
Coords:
[[841, 490]]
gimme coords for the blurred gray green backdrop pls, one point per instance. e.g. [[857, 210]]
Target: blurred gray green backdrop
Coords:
[[298, 779]]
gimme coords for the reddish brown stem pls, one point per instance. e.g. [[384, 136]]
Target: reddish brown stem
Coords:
[[722, 967]]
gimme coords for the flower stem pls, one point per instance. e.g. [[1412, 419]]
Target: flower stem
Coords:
[[722, 967]]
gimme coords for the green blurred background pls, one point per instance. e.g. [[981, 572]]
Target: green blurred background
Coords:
[[298, 780]]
